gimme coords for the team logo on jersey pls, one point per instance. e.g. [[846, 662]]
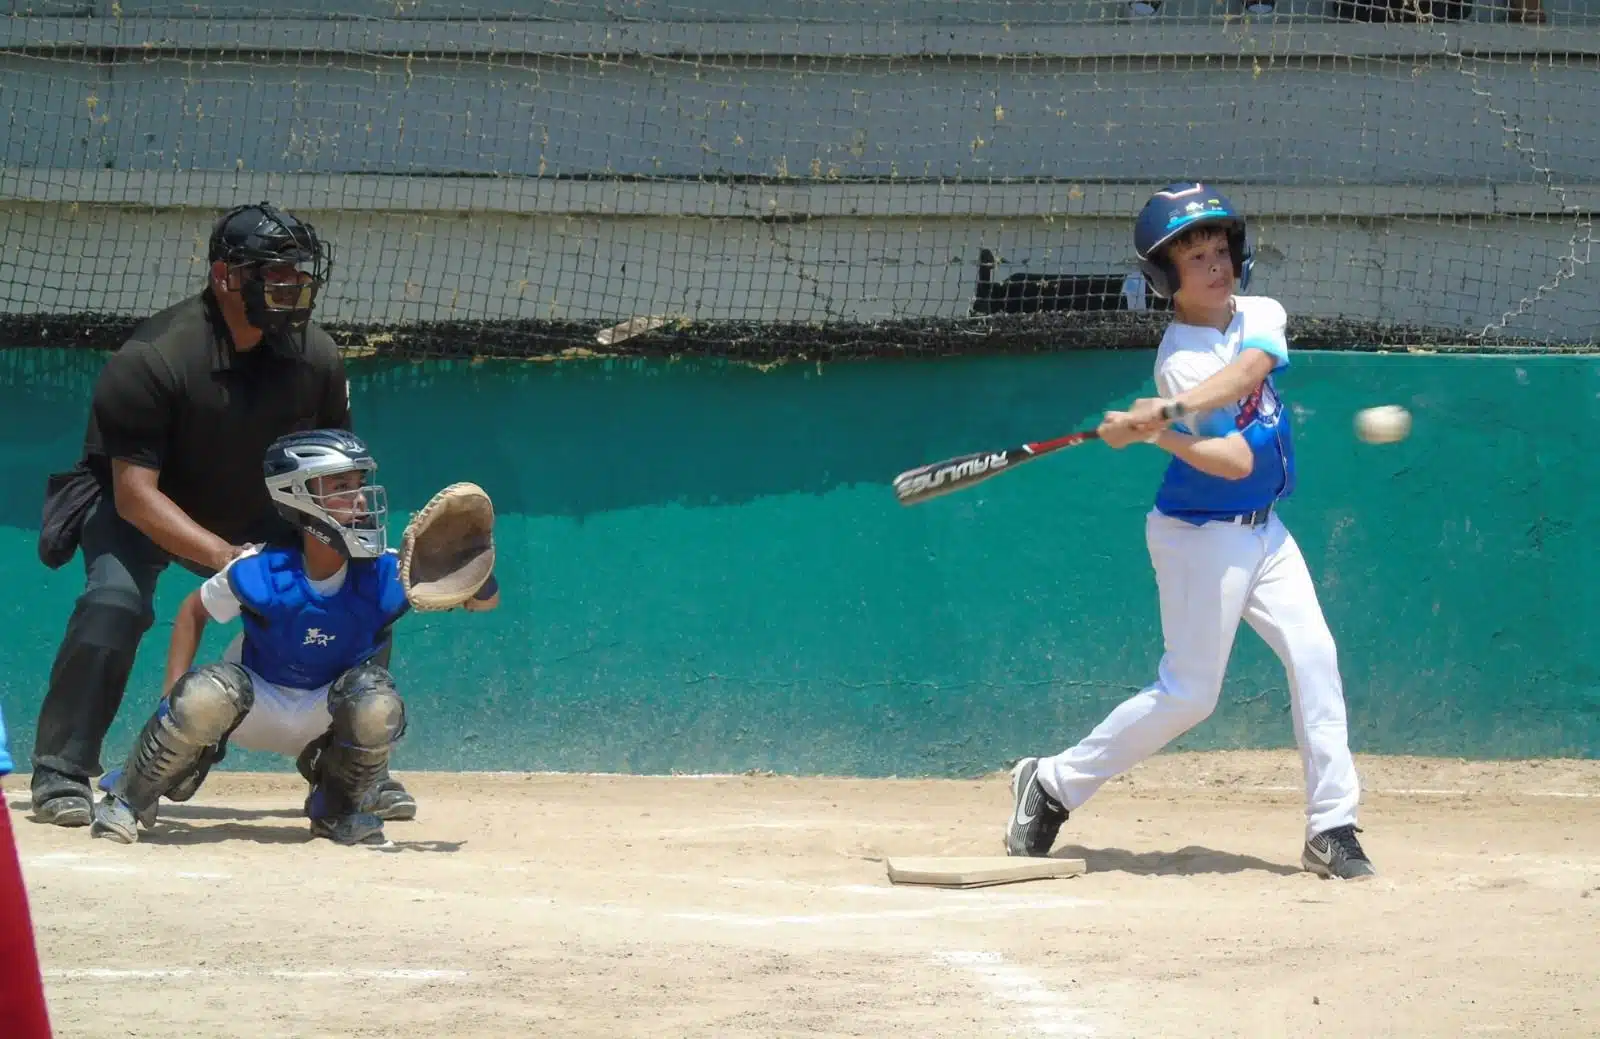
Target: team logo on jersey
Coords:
[[316, 637], [1262, 404]]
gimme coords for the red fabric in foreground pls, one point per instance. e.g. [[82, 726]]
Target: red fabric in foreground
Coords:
[[23, 1012]]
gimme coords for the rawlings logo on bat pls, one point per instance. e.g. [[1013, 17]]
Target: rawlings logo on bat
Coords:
[[962, 470]]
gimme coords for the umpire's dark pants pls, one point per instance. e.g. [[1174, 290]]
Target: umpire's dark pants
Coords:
[[96, 655]]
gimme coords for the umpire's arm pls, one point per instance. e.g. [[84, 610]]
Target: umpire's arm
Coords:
[[134, 399]]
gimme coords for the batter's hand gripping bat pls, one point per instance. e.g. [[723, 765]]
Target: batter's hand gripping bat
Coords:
[[957, 474]]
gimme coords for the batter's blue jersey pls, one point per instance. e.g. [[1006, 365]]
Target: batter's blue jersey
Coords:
[[1189, 355]]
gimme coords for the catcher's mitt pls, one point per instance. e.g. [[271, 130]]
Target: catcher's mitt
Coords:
[[447, 552]]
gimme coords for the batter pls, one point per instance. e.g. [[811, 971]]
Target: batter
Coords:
[[1219, 549]]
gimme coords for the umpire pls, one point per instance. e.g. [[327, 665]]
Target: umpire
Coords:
[[180, 421]]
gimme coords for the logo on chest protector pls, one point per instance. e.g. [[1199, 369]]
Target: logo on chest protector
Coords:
[[316, 637]]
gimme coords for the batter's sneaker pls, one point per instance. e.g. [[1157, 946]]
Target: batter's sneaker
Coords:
[[1337, 854], [1036, 817]]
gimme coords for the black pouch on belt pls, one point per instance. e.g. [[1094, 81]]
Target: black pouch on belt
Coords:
[[68, 497]]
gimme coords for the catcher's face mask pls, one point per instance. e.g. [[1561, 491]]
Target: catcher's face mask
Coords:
[[353, 510]]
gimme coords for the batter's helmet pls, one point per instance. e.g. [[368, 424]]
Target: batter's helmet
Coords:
[[1182, 207]]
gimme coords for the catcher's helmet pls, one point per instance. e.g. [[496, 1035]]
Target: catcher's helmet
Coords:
[[259, 239], [349, 515], [1176, 209]]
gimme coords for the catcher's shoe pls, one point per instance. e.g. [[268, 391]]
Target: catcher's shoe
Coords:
[[332, 818], [393, 802], [355, 828], [1036, 817], [116, 820], [1337, 855]]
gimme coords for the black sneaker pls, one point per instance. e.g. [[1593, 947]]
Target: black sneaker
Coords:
[[1036, 817], [60, 800], [393, 802], [351, 829], [1336, 854]]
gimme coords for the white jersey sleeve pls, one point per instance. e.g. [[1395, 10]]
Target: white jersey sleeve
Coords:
[[1266, 329], [1183, 371], [216, 595]]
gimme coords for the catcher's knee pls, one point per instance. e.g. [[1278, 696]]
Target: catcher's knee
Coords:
[[366, 708], [206, 704]]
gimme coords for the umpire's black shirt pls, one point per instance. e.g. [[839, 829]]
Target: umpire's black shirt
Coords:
[[178, 397]]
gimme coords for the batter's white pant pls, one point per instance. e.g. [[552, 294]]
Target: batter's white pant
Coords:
[[1209, 577], [282, 720]]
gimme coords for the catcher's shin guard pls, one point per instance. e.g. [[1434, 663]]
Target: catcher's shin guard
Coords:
[[368, 718], [202, 709]]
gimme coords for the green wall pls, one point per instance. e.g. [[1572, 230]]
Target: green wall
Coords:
[[705, 570]]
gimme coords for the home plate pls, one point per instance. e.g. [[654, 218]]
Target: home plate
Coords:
[[979, 870]]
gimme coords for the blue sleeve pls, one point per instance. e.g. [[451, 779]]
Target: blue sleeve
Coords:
[[392, 599], [6, 764]]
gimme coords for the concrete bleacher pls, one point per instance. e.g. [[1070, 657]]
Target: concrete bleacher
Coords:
[[848, 161]]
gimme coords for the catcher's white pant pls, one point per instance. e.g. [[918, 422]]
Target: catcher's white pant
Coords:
[[282, 720], [1209, 577]]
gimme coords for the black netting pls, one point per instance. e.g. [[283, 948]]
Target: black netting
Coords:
[[853, 178]]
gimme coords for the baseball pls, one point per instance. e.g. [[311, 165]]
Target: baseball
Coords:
[[1383, 425]]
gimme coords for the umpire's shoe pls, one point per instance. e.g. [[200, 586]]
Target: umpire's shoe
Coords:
[[60, 799], [1337, 855], [1036, 817]]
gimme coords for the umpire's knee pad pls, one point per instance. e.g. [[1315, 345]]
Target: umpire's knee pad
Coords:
[[113, 617], [207, 703], [366, 708]]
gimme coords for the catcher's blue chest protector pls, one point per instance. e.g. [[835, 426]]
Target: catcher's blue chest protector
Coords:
[[296, 637]]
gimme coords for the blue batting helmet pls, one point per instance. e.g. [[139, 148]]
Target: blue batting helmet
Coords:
[[1182, 207]]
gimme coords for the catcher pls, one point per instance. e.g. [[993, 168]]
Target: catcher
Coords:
[[300, 679]]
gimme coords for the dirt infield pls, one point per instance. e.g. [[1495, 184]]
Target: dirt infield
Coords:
[[595, 906]]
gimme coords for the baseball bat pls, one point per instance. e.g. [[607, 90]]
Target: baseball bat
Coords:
[[927, 482]]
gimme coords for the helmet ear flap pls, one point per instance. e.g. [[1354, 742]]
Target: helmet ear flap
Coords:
[[1244, 258], [1159, 275]]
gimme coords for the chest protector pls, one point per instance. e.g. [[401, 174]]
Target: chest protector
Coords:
[[300, 639]]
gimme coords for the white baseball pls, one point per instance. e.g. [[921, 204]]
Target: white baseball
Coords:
[[1383, 425]]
